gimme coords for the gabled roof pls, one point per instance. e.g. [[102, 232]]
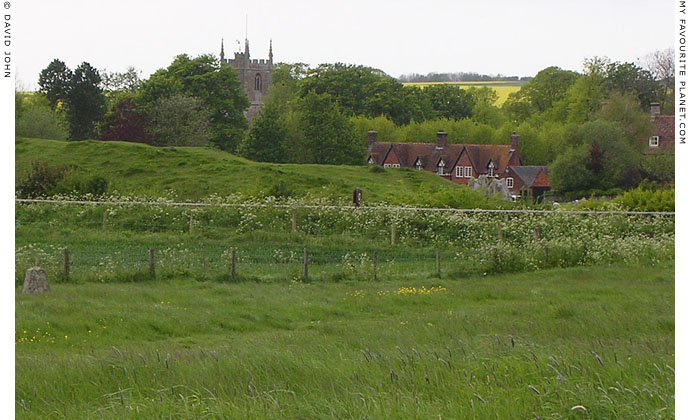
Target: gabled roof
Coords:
[[528, 173], [429, 154]]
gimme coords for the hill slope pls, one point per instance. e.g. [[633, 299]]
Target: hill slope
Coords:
[[190, 173]]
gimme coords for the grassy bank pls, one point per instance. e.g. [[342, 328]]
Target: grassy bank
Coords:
[[192, 173], [575, 343]]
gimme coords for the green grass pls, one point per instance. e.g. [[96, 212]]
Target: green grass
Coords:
[[502, 88], [531, 345], [191, 173]]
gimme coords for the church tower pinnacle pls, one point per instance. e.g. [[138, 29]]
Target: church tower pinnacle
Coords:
[[270, 51], [222, 51]]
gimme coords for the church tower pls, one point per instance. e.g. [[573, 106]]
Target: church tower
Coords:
[[255, 76]]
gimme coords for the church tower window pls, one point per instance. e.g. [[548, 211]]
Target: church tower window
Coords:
[[257, 82]]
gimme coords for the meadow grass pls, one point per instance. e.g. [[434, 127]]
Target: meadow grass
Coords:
[[584, 342]]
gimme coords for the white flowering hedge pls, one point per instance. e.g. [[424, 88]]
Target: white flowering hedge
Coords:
[[470, 240]]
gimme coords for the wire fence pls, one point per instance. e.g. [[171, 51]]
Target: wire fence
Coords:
[[133, 241]]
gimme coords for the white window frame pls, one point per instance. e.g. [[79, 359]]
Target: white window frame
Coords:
[[440, 166], [490, 169], [418, 166], [509, 182], [468, 172], [370, 161], [654, 141], [386, 165], [458, 172], [395, 165]]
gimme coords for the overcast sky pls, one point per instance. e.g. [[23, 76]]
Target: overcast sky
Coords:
[[399, 37]]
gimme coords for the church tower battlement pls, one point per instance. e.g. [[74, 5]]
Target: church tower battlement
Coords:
[[255, 76]]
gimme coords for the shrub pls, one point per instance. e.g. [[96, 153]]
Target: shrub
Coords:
[[43, 180]]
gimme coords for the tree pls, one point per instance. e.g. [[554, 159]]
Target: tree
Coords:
[[128, 81], [662, 65], [85, 102], [597, 155], [547, 87], [330, 137], [215, 85], [54, 81], [267, 138], [450, 101], [180, 120], [629, 78], [124, 123], [37, 120], [627, 112]]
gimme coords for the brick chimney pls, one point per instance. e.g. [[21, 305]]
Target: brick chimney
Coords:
[[655, 109], [514, 141], [371, 138], [441, 139]]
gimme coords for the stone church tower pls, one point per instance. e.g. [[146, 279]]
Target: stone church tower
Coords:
[[255, 76]]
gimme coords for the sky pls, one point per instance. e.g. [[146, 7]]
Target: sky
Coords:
[[399, 37]]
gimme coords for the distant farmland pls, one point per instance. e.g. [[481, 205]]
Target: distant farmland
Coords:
[[503, 88]]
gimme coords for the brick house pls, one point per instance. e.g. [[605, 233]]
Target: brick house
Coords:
[[459, 162], [664, 134]]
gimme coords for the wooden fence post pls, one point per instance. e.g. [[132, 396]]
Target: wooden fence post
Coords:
[[232, 263], [294, 222], [438, 263], [306, 265], [104, 225], [191, 223], [66, 254], [500, 234], [152, 262], [393, 232], [537, 234], [375, 258]]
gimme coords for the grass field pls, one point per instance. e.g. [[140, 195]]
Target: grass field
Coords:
[[579, 343], [193, 173], [503, 88]]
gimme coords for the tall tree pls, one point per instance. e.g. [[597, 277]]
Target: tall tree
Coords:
[[630, 78], [180, 120], [547, 87], [215, 85], [85, 102], [54, 82], [125, 123], [267, 138], [330, 136], [662, 65]]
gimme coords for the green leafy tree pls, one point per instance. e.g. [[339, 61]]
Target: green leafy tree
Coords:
[[180, 120], [85, 102], [267, 138], [625, 109], [55, 82], [215, 85], [548, 87], [630, 78], [38, 120], [127, 81], [330, 137], [450, 101]]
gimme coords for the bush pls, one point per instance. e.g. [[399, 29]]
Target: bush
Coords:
[[42, 181], [39, 121]]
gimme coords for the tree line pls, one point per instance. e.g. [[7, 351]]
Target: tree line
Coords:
[[589, 127]]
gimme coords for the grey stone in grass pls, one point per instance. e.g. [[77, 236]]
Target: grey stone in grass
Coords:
[[35, 281]]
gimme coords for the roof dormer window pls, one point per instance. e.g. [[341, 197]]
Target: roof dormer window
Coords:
[[490, 169], [654, 141], [440, 166]]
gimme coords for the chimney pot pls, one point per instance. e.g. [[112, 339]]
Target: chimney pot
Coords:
[[371, 137], [441, 137], [514, 141], [655, 109]]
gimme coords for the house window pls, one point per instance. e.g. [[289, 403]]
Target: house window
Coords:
[[491, 169], [509, 182], [395, 165], [418, 166], [440, 168], [257, 82], [468, 172], [654, 141], [386, 165], [458, 171], [370, 161]]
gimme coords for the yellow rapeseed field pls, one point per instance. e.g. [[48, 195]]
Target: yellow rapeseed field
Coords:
[[503, 88]]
